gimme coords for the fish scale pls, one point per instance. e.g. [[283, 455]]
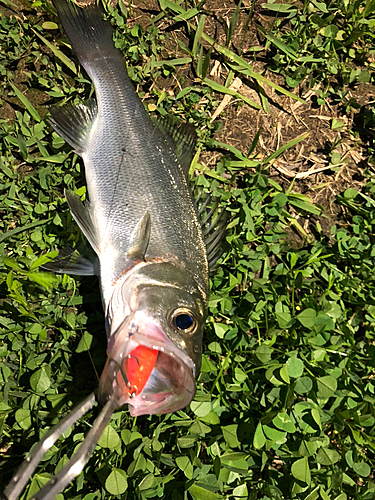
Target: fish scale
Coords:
[[137, 160], [139, 175]]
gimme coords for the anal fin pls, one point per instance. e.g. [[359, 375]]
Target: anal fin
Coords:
[[182, 137]]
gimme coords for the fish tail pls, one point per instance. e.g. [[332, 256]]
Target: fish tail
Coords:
[[89, 34]]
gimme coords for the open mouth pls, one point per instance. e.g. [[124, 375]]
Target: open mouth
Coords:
[[149, 373]]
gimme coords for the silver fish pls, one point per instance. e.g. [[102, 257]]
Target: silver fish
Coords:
[[153, 243], [141, 221]]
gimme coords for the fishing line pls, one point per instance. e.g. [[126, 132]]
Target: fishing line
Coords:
[[115, 192]]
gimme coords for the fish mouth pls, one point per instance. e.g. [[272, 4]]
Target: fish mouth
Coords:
[[148, 372]]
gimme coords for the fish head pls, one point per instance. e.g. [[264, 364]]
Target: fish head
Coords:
[[155, 344]]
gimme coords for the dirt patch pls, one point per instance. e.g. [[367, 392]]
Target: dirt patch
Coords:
[[322, 165], [325, 163], [329, 160]]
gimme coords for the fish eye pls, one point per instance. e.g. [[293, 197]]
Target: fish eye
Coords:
[[183, 320]]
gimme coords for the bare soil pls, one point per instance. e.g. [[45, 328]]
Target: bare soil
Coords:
[[308, 165]]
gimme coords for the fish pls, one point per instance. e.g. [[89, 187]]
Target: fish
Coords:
[[141, 222], [153, 243]]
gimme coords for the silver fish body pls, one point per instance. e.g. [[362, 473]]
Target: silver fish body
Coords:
[[142, 223]]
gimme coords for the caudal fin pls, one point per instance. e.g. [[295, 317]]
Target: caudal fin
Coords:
[[89, 34]]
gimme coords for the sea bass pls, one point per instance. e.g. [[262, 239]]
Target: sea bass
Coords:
[[153, 242], [141, 221]]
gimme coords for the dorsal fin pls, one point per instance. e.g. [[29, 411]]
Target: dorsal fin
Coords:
[[73, 123], [81, 214], [183, 138]]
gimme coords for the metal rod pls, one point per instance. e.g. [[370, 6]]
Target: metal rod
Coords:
[[76, 464], [27, 468]]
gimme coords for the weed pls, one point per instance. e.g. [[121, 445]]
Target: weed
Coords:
[[285, 399], [330, 44]]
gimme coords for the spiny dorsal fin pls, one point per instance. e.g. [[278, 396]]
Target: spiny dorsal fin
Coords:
[[81, 214], [73, 123], [81, 262], [182, 136], [140, 238]]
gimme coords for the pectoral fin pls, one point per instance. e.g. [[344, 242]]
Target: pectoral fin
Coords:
[[140, 238]]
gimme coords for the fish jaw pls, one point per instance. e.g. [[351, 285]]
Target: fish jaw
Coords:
[[146, 370]]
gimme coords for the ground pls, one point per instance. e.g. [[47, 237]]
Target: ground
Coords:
[[329, 160], [310, 163]]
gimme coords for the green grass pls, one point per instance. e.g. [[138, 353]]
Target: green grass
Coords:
[[326, 43], [285, 401]]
